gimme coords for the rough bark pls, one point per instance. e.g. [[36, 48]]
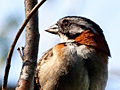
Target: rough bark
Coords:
[[31, 49]]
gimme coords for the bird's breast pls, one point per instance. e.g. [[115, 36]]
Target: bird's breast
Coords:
[[67, 69]]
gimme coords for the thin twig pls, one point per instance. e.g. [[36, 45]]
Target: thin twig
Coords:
[[22, 49], [20, 53], [9, 56]]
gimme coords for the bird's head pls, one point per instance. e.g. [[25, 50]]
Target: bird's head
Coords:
[[80, 30]]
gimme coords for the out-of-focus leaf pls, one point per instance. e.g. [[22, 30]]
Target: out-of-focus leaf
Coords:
[[9, 26]]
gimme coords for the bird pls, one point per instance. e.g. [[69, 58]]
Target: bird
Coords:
[[79, 62]]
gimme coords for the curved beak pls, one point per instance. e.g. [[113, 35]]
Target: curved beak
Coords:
[[53, 29]]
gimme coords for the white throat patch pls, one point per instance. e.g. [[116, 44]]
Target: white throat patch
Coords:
[[64, 38]]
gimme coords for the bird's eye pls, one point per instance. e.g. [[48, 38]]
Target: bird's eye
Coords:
[[66, 23]]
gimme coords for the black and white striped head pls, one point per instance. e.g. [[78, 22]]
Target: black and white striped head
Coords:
[[68, 28]]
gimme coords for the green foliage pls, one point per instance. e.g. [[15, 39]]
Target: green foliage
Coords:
[[6, 30]]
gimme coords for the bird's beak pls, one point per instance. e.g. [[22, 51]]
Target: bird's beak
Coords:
[[53, 29]]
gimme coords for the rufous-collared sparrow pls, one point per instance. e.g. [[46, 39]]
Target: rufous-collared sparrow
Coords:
[[79, 62]]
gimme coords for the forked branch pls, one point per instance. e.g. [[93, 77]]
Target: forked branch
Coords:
[[9, 56]]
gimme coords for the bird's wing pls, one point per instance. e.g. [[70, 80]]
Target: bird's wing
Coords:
[[42, 61]]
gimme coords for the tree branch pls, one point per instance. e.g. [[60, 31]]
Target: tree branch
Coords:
[[9, 56], [20, 53]]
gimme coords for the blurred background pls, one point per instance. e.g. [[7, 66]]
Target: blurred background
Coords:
[[106, 13]]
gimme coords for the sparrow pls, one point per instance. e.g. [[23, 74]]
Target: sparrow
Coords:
[[79, 62]]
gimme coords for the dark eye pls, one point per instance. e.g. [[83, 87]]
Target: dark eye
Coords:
[[66, 23]]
